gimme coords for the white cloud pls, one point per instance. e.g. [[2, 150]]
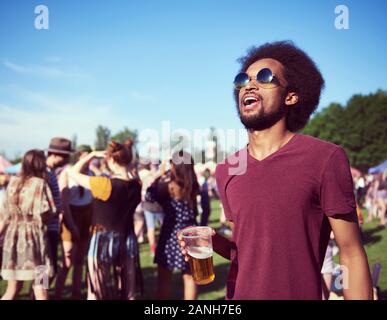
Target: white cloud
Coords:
[[45, 71], [140, 97], [22, 129]]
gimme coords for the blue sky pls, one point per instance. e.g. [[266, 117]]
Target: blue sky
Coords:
[[137, 63]]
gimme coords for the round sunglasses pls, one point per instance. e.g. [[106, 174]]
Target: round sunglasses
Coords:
[[265, 79]]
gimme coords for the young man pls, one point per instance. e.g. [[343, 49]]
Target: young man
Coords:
[[289, 190], [58, 154]]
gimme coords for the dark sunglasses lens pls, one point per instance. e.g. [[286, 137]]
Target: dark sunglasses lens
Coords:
[[264, 76], [241, 80], [266, 79]]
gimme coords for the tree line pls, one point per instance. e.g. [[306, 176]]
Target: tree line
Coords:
[[360, 127]]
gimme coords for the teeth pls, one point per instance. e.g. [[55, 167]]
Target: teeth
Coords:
[[250, 99]]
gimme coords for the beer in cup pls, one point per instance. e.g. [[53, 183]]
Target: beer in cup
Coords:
[[198, 244]]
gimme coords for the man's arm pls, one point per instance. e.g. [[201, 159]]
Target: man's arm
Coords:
[[222, 246], [352, 255]]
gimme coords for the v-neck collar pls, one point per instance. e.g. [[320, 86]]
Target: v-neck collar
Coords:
[[253, 160]]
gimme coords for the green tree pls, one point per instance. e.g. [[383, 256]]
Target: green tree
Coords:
[[359, 127], [366, 133], [103, 136], [125, 134], [214, 138], [17, 158], [327, 124]]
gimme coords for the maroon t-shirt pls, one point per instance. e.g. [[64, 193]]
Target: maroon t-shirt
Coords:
[[279, 207]]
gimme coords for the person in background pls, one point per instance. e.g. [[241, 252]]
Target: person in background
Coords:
[[176, 192], [58, 157], [361, 189], [80, 201], [139, 223], [381, 199], [27, 207], [113, 256], [152, 210], [371, 200], [205, 198], [4, 179], [327, 269]]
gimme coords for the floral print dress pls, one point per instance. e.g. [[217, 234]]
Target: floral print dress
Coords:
[[25, 247]]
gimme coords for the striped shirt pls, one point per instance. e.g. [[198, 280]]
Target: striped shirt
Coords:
[[53, 225]]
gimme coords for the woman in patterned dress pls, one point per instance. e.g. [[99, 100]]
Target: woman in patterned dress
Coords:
[[27, 207], [176, 192]]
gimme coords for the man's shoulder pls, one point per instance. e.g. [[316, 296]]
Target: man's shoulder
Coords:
[[317, 147], [317, 143]]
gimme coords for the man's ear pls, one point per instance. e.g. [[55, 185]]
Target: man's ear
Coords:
[[291, 98]]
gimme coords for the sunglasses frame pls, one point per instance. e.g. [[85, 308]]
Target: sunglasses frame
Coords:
[[265, 85]]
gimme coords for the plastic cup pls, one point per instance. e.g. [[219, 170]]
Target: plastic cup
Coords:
[[198, 244]]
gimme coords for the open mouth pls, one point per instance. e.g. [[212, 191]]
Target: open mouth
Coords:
[[250, 102]]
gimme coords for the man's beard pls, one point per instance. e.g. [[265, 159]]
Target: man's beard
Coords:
[[262, 120]]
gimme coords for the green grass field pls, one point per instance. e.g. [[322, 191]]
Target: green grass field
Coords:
[[375, 240]]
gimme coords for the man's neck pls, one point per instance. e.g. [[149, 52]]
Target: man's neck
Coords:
[[264, 143]]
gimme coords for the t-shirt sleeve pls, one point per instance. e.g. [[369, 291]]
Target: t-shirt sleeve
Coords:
[[221, 182], [337, 195], [101, 188]]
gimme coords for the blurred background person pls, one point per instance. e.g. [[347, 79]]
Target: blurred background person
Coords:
[[327, 269], [152, 210], [27, 207], [80, 202], [205, 203], [139, 223], [58, 157], [4, 179], [381, 199], [113, 256], [176, 191], [370, 200]]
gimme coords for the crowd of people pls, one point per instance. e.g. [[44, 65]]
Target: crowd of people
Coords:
[[371, 192], [91, 206]]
